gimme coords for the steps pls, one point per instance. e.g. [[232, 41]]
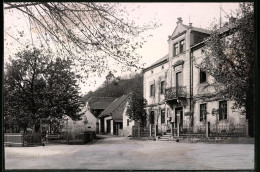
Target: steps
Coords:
[[165, 137]]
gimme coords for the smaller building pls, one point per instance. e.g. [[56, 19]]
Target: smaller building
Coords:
[[114, 120], [89, 120]]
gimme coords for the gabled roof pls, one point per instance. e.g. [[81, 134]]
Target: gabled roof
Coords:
[[116, 108], [162, 60], [100, 102]]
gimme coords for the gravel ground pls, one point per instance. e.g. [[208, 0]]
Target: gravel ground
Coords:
[[122, 153]]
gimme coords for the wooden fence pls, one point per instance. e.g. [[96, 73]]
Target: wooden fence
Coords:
[[18, 139], [14, 139]]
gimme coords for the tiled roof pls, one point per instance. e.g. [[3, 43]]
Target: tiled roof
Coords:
[[116, 108], [197, 29], [100, 102], [158, 61]]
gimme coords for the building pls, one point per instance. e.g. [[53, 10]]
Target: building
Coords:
[[178, 93], [114, 120], [89, 121]]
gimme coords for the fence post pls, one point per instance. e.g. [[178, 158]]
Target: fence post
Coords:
[[247, 132], [178, 130], [150, 129], [172, 131], [207, 130], [138, 130], [155, 128]]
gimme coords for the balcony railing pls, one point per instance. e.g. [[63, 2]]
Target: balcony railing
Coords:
[[175, 92]]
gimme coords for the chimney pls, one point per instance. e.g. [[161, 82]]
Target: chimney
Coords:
[[179, 20], [232, 19]]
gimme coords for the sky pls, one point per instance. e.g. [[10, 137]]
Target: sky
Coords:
[[199, 14]]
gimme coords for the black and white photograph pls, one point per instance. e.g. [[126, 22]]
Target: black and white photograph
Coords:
[[129, 86]]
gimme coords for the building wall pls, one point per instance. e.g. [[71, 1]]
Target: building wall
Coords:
[[80, 126], [234, 117], [105, 124], [127, 129], [155, 76], [190, 79]]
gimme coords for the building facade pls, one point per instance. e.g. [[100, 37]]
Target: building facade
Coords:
[[114, 119], [177, 92]]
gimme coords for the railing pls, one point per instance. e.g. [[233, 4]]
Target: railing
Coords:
[[198, 131], [175, 92], [227, 131]]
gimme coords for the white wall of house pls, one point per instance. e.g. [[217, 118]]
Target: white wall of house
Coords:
[[127, 126], [155, 76], [81, 126], [234, 117]]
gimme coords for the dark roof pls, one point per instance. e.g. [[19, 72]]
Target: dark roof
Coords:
[[200, 30], [163, 59], [116, 108], [100, 102]]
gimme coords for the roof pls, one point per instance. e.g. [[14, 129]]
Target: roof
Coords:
[[100, 102], [221, 30], [155, 64], [197, 29], [116, 108]]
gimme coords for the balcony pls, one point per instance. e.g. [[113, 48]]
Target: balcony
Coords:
[[175, 93]]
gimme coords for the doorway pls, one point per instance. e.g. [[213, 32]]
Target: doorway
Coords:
[[179, 112], [152, 117]]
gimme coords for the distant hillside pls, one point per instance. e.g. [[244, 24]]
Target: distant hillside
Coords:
[[118, 87]]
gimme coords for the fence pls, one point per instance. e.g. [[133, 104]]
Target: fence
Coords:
[[14, 139], [227, 131], [81, 138], [18, 139], [198, 131], [32, 139], [138, 131]]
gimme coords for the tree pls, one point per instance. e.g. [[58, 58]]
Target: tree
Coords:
[[91, 33], [229, 58], [136, 110], [37, 87]]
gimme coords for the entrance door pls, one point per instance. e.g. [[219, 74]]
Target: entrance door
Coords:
[[102, 125], [108, 126], [179, 112], [152, 117]]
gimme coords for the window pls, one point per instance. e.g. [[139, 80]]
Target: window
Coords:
[[203, 112], [222, 110], [179, 79], [151, 72], [163, 116], [203, 77], [175, 49], [127, 122], [182, 46], [162, 67], [152, 90], [162, 87]]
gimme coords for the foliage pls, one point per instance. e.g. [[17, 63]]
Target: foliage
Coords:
[[93, 34], [229, 58], [119, 87], [36, 87], [136, 110]]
